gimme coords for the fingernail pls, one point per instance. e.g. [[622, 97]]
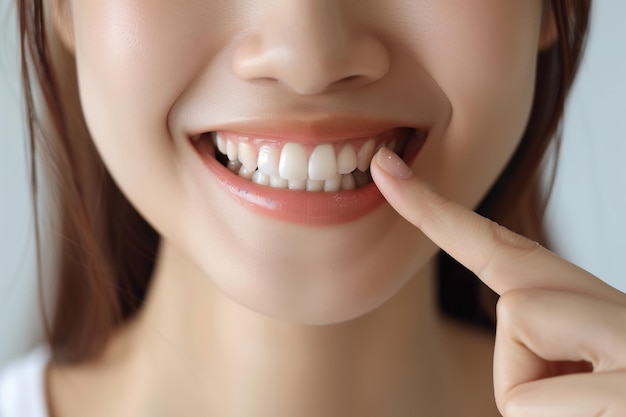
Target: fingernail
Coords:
[[393, 164]]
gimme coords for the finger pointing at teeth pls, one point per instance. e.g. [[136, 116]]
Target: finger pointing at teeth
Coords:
[[560, 338], [495, 254]]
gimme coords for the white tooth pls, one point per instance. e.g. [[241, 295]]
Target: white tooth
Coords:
[[221, 144], [347, 182], [248, 155], [278, 182], [297, 184], [314, 185], [214, 138], [323, 163], [234, 166], [269, 158], [261, 178], [231, 150], [334, 184], [293, 164], [365, 155], [346, 160], [245, 173]]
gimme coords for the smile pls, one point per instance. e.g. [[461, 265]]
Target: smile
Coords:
[[329, 167], [307, 182]]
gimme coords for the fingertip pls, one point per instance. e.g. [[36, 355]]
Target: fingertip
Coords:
[[397, 182], [392, 164]]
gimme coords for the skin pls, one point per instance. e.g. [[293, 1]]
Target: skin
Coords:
[[239, 321], [560, 338]]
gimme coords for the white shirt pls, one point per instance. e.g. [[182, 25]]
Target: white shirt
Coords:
[[22, 385]]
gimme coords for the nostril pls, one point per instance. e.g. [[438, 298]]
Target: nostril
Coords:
[[308, 62], [352, 79]]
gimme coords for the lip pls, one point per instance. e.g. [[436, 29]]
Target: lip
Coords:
[[304, 207], [308, 131]]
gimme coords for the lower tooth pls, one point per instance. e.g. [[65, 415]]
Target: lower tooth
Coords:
[[347, 182], [260, 178], [297, 184], [334, 184], [234, 166], [314, 185], [278, 182], [244, 173]]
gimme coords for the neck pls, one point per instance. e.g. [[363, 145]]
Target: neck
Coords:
[[244, 363]]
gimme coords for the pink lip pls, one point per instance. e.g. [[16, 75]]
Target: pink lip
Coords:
[[301, 207], [307, 132]]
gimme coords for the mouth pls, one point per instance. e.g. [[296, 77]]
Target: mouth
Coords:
[[340, 165], [304, 181]]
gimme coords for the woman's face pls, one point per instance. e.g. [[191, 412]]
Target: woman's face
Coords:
[[304, 90]]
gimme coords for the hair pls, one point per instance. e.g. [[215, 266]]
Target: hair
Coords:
[[107, 251]]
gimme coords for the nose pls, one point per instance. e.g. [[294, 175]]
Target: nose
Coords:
[[310, 47]]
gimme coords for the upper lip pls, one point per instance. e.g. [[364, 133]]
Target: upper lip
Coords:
[[310, 130]]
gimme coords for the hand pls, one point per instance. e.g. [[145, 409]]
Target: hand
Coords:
[[561, 332]]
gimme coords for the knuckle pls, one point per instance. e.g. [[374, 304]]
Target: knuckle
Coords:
[[436, 206], [512, 247], [507, 238], [512, 304], [513, 403], [436, 202]]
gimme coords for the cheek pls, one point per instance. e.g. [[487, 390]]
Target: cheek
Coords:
[[134, 59], [483, 57]]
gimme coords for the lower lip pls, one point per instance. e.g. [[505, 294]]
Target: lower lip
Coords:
[[294, 206]]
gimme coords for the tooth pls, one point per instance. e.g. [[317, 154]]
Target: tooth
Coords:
[[231, 150], [333, 184], [234, 166], [293, 163], [347, 182], [214, 138], [248, 155], [269, 158], [221, 144], [365, 155], [361, 178], [278, 182], [322, 163], [245, 173], [346, 160], [261, 178], [297, 184], [314, 185]]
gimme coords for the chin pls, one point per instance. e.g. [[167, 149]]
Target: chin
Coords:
[[311, 275]]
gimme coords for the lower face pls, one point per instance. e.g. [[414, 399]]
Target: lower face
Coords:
[[215, 117]]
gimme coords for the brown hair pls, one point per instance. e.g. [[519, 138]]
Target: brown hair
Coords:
[[107, 251]]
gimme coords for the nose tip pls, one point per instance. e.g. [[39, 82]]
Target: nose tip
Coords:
[[313, 55]]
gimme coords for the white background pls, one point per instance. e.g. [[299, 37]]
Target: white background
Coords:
[[586, 216]]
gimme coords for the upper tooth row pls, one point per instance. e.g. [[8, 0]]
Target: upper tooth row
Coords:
[[292, 162]]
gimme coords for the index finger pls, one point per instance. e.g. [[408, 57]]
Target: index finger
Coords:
[[502, 259]]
